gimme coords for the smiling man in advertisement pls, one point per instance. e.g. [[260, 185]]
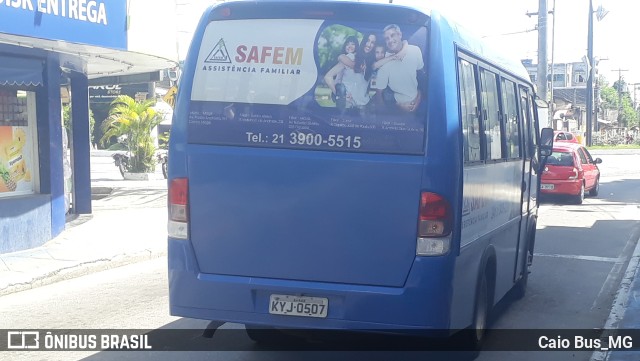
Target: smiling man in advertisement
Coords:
[[400, 75]]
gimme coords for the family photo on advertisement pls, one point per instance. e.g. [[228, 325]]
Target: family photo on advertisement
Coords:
[[378, 72]]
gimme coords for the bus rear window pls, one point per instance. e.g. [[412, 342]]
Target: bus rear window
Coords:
[[310, 84]]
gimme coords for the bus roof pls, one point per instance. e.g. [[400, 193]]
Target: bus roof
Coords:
[[461, 36]]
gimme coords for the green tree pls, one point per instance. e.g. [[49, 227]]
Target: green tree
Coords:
[[610, 96], [133, 121], [620, 85], [163, 139], [627, 116], [330, 44], [68, 121]]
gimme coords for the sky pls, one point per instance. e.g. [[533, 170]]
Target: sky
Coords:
[[505, 25], [188, 13], [614, 37]]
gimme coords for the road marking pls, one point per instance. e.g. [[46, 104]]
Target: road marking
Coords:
[[583, 258]]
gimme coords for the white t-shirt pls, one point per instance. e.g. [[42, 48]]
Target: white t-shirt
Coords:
[[356, 85], [400, 75]]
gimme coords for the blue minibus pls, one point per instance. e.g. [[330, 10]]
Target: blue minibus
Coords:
[[349, 166]]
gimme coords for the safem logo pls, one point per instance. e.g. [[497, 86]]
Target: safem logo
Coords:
[[23, 340], [219, 54]]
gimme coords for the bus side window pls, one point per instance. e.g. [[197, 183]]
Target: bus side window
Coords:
[[469, 111], [511, 126], [533, 135], [524, 108], [491, 115], [532, 124], [530, 136]]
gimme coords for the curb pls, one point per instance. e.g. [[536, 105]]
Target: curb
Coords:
[[620, 307], [101, 190], [82, 269], [98, 193]]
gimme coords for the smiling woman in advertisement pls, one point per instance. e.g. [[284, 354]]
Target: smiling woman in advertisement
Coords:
[[349, 78]]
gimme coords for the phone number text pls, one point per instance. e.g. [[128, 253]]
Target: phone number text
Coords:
[[306, 139]]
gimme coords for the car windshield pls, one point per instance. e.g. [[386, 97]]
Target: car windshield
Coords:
[[561, 158]]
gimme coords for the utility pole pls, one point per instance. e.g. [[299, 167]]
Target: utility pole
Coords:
[[552, 107], [601, 13], [590, 76], [542, 50], [620, 92]]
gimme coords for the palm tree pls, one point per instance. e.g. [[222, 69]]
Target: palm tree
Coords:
[[134, 121]]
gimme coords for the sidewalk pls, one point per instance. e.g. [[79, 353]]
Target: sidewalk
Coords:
[[625, 313], [128, 224]]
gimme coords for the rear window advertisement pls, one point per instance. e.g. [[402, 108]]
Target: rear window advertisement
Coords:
[[355, 87]]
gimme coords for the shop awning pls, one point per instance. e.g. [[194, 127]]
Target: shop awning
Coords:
[[20, 71]]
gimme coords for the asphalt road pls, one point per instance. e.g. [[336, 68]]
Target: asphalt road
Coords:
[[582, 252]]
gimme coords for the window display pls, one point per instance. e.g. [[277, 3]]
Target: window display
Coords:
[[18, 142]]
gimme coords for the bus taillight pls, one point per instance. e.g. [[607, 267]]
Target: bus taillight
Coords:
[[179, 208], [434, 225]]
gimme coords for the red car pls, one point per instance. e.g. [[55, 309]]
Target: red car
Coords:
[[570, 170]]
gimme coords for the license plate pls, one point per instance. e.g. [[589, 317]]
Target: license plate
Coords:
[[298, 306], [546, 186]]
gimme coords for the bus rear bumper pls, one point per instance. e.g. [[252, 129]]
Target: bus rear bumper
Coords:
[[245, 300]]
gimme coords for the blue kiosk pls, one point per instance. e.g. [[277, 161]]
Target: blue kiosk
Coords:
[[50, 51]]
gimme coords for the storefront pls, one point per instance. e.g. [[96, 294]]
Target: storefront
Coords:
[[50, 51]]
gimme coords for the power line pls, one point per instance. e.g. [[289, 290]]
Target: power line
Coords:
[[514, 33]]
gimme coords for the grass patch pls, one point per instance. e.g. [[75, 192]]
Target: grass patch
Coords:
[[620, 146]]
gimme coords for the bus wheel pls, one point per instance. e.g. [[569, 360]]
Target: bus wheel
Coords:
[[473, 336], [520, 289]]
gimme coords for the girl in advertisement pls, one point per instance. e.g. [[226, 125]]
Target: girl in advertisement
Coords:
[[349, 78]]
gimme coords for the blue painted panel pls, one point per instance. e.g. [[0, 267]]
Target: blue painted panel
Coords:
[[100, 23], [25, 222], [81, 158], [20, 71], [50, 146], [329, 218]]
